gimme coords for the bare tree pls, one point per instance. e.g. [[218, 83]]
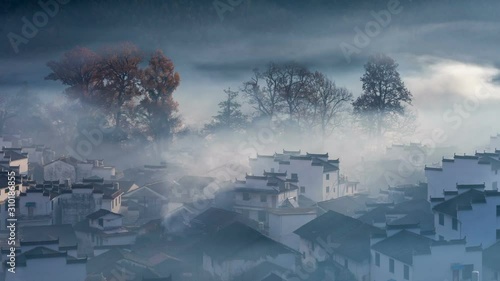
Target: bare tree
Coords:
[[263, 91], [328, 104]]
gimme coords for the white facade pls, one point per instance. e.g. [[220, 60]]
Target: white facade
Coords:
[[59, 171], [35, 203], [479, 223], [75, 170], [439, 264], [460, 170], [283, 222], [318, 177], [254, 196]]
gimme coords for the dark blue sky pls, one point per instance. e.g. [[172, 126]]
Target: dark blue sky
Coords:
[[446, 49]]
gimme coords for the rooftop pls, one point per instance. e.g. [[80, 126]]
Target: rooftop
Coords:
[[350, 236], [241, 241], [403, 246], [462, 201]]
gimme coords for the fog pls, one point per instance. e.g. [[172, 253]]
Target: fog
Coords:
[[447, 52]]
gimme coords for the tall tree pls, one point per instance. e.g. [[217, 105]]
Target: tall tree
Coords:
[[229, 117], [294, 86], [121, 77], [327, 104], [79, 70], [158, 108], [384, 97], [263, 91]]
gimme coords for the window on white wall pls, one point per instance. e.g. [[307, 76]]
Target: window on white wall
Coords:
[[302, 189], [327, 189], [246, 196], [377, 259], [406, 273], [327, 177], [391, 265], [441, 219], [454, 224]]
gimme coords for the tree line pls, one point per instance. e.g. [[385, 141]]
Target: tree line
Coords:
[[293, 96], [132, 94]]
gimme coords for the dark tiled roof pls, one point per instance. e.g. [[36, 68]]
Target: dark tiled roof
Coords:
[[213, 219], [376, 215], [13, 155], [43, 234], [317, 154], [101, 213], [262, 271], [462, 201], [403, 245], [347, 205], [433, 168], [241, 241], [351, 236], [195, 182], [273, 277], [469, 186]]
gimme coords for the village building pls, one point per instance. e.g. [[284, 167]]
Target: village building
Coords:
[[469, 211], [463, 170], [103, 228], [405, 255], [73, 170], [72, 203], [318, 176], [256, 194], [338, 240], [238, 248]]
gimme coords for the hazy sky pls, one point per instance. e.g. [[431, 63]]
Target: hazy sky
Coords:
[[447, 50]]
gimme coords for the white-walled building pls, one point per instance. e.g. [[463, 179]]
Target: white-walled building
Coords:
[[318, 176], [284, 221], [103, 228], [74, 170], [39, 154], [470, 211], [339, 240], [466, 169], [256, 194], [73, 203], [409, 256], [35, 206]]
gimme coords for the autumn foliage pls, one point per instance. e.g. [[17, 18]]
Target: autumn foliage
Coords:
[[112, 80]]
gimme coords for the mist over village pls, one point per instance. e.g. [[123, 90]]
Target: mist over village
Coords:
[[249, 140]]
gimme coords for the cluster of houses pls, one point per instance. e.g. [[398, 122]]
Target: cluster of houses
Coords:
[[292, 216]]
